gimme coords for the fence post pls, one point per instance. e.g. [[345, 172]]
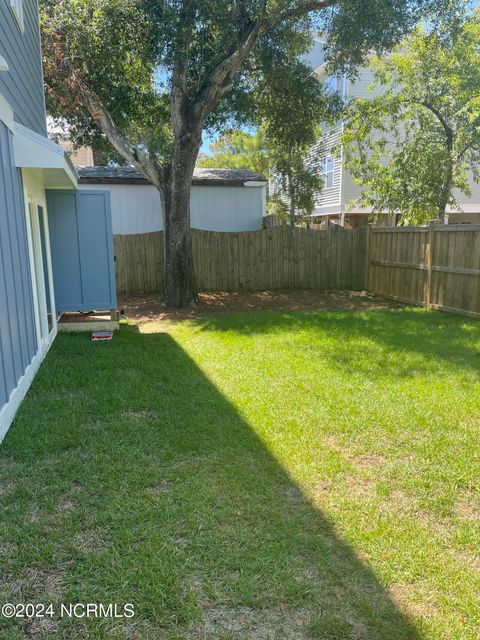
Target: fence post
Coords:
[[367, 257], [430, 245]]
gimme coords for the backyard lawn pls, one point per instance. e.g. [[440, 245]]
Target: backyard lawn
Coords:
[[286, 475]]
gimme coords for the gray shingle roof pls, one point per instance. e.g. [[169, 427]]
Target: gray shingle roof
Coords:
[[201, 177]]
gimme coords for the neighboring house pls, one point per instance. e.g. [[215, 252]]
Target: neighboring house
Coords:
[[49, 233], [336, 201], [221, 200], [80, 156]]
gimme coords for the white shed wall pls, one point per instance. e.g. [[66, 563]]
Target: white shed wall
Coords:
[[137, 208]]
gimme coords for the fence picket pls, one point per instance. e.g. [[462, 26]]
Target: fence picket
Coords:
[[436, 266], [274, 258]]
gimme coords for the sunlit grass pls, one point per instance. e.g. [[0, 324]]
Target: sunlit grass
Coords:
[[284, 475]]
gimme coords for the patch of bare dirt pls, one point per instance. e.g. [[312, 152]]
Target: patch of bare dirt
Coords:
[[400, 502], [360, 488], [6, 488], [70, 396], [91, 542], [323, 485], [369, 460], [253, 624], [472, 562], [161, 488], [468, 507], [65, 505], [413, 599], [41, 627], [149, 308], [7, 549], [46, 584]]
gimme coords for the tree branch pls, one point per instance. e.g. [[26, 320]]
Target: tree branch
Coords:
[[302, 8], [104, 121], [440, 117], [178, 94], [218, 82]]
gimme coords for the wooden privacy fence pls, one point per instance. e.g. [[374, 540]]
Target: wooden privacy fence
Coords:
[[436, 266], [276, 258]]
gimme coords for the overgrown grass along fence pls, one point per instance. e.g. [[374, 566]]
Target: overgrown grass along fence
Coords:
[[276, 258], [436, 266]]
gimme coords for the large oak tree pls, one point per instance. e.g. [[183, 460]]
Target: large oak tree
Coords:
[[151, 75]]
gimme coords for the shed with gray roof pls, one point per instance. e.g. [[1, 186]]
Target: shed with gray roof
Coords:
[[221, 200]]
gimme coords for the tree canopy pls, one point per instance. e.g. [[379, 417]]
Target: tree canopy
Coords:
[[122, 53], [151, 75], [418, 142]]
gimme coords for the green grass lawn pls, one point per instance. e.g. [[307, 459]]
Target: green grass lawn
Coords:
[[284, 475]]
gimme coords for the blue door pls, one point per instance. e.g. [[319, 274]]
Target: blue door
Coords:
[[82, 250]]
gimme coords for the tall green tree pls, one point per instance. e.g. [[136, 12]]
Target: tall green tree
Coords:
[[152, 75], [281, 145], [297, 182], [418, 141], [237, 149]]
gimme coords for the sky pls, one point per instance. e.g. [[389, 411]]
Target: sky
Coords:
[[206, 142], [208, 137]]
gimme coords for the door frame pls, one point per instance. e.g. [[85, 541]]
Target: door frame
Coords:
[[44, 336]]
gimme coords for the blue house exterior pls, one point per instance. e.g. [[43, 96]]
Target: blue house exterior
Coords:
[[29, 165]]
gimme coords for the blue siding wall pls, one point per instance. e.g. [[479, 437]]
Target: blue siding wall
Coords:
[[22, 84], [18, 343]]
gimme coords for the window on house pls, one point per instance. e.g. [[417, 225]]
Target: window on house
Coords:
[[335, 84], [331, 83], [17, 8], [327, 167]]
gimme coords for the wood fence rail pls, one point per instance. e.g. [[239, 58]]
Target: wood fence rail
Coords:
[[275, 258], [436, 266]]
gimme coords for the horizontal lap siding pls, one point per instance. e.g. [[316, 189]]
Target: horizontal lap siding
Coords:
[[18, 343], [137, 209], [328, 144], [22, 84]]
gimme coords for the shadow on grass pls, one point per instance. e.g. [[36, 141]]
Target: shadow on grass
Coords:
[[132, 479], [361, 340]]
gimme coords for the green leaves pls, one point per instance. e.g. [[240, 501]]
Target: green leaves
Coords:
[[124, 51], [239, 150], [111, 47], [414, 146]]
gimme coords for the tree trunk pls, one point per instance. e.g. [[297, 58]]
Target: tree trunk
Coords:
[[447, 184], [180, 286], [446, 192], [291, 200], [292, 212]]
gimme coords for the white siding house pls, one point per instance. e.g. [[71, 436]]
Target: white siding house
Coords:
[[221, 200], [336, 201]]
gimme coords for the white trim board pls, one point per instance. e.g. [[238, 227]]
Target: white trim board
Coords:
[[6, 114], [8, 411], [34, 151]]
